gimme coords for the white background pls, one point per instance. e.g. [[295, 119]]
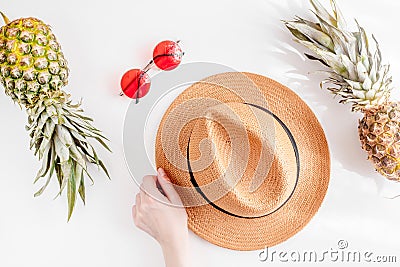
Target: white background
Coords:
[[101, 40]]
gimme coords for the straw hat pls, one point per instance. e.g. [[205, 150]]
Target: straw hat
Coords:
[[248, 158]]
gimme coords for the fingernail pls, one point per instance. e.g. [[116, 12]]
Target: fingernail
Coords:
[[162, 173]]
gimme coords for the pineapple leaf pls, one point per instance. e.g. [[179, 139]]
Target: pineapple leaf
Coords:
[[340, 40], [76, 135], [363, 41], [41, 122], [102, 143], [64, 135], [53, 165], [297, 33], [81, 191], [84, 147], [53, 162], [362, 72], [349, 66], [59, 173], [96, 158], [90, 177], [71, 189], [341, 23], [333, 60], [76, 155], [6, 20], [44, 143], [46, 163], [314, 25], [378, 52], [49, 130], [311, 57], [312, 34], [61, 150], [82, 117], [79, 175], [104, 168], [66, 170], [323, 12], [40, 191]]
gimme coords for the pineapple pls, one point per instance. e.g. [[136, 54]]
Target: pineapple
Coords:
[[357, 75], [33, 71]]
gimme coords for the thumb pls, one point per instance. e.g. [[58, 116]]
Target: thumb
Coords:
[[168, 187]]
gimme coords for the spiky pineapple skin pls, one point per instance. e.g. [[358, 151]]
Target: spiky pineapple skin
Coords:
[[379, 132], [31, 61]]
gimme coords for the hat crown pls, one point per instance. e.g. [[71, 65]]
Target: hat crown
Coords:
[[240, 141]]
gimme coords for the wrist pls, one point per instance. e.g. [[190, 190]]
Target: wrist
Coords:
[[176, 252]]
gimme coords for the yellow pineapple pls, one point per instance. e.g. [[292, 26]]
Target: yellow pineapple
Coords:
[[33, 71]]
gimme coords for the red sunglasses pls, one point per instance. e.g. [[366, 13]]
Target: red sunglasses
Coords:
[[135, 83]]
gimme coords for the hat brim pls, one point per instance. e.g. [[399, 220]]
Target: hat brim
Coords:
[[236, 233]]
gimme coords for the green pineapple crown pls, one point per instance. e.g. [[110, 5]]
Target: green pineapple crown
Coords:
[[355, 64]]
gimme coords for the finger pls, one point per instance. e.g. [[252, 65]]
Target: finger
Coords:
[[138, 201], [162, 172], [147, 184], [149, 190], [168, 187], [145, 189], [134, 214]]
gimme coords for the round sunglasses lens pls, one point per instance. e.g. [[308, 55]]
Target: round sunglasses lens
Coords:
[[135, 83]]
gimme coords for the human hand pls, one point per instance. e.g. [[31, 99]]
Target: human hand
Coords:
[[162, 216]]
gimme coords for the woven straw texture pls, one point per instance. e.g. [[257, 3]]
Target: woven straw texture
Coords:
[[249, 146]]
